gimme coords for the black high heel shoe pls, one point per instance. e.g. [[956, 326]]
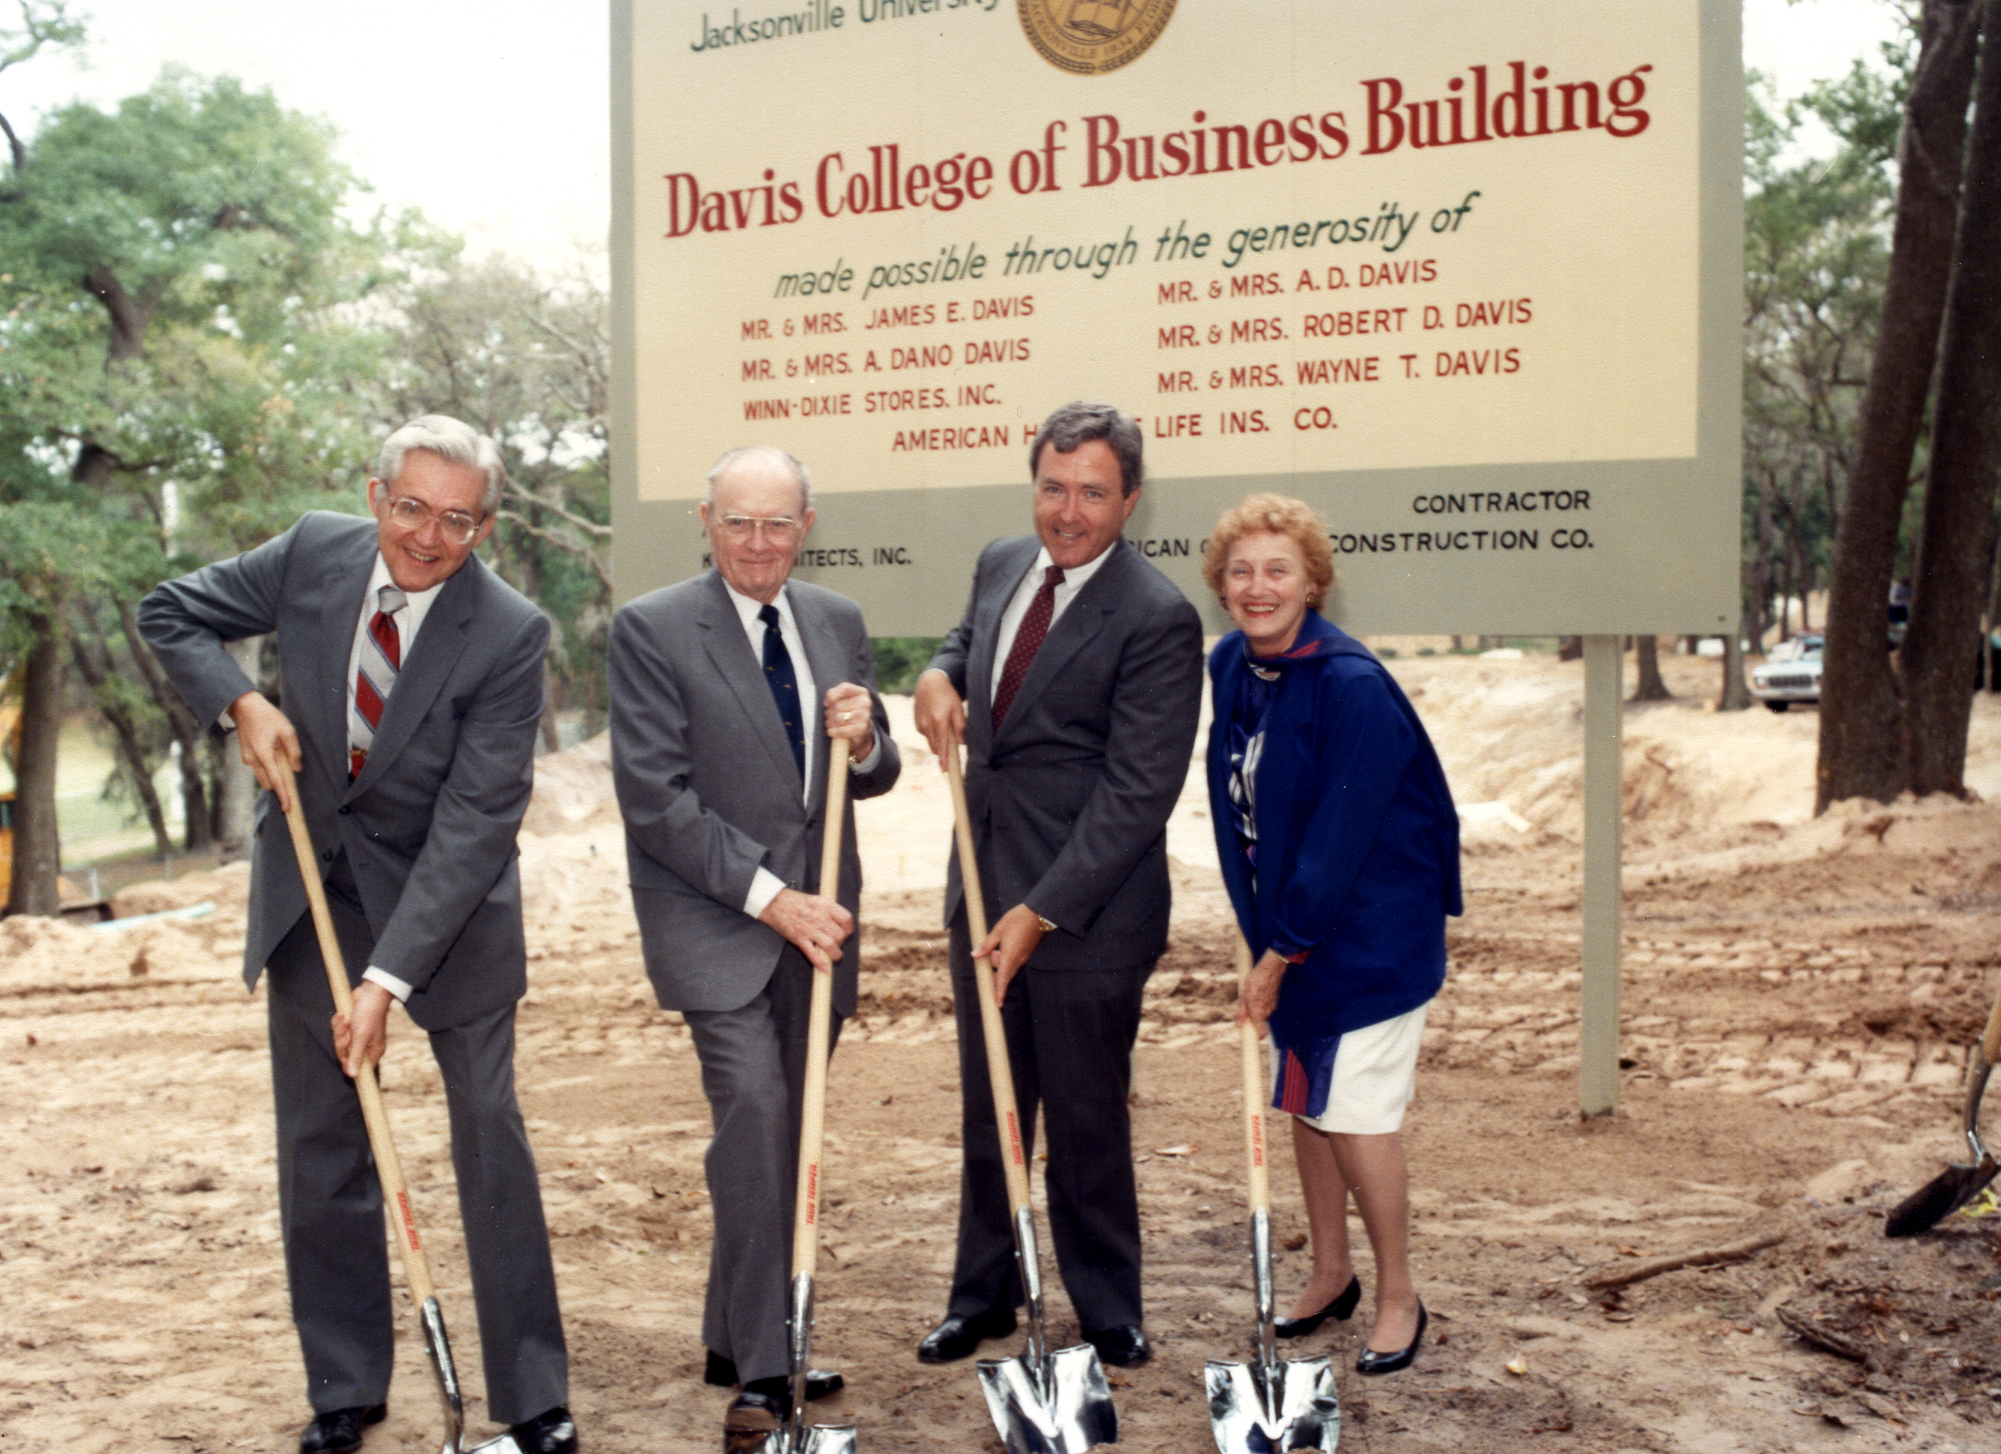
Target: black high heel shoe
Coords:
[[1340, 1310], [1371, 1361]]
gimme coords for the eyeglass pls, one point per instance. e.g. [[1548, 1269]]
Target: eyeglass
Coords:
[[455, 525], [779, 528]]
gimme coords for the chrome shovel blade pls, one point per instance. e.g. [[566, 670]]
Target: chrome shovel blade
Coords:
[[829, 1439], [440, 1349], [1267, 1408], [1066, 1411]]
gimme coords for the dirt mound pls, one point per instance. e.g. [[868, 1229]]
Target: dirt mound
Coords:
[[1797, 1000]]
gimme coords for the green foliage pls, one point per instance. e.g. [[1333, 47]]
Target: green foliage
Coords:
[[184, 317], [1816, 254], [527, 359], [900, 660]]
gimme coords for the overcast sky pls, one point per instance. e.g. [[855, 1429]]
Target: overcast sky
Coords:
[[492, 116]]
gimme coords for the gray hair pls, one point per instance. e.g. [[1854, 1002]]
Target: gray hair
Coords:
[[1081, 422], [449, 439], [767, 452]]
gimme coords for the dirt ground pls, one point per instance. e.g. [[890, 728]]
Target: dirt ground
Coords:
[[1798, 1000]]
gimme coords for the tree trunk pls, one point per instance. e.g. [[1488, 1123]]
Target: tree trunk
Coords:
[[1647, 657], [1949, 586], [96, 675], [552, 700], [1736, 695], [236, 784], [197, 832], [1860, 753], [37, 844]]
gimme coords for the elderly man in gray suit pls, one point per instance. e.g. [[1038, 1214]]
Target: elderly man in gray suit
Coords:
[[724, 692], [412, 686], [1074, 679]]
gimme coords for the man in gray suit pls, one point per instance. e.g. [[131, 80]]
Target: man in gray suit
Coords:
[[1074, 679], [724, 692], [412, 686]]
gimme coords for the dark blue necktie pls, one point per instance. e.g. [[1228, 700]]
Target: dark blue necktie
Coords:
[[784, 684]]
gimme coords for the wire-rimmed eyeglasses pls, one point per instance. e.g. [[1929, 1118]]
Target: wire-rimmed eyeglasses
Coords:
[[413, 515]]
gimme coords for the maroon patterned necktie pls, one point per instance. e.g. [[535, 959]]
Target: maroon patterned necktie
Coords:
[[1027, 641], [374, 675]]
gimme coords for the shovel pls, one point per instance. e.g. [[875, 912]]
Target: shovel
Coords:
[[388, 1169], [1267, 1406], [1959, 1183], [798, 1437], [1041, 1402]]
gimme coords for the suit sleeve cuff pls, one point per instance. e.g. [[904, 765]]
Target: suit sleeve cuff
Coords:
[[389, 982], [763, 889], [860, 766]]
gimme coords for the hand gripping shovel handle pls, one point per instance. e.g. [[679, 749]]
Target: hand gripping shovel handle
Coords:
[[1266, 1406], [812, 1121], [812, 1111], [388, 1169], [1042, 1402]]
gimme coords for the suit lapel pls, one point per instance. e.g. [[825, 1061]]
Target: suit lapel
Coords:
[[729, 651], [340, 586]]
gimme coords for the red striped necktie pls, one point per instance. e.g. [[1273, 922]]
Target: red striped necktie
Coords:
[[374, 676]]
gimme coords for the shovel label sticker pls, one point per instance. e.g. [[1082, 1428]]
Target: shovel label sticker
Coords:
[[1014, 1139], [409, 1220]]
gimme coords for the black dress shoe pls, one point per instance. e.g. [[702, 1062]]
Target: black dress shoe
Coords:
[[552, 1431], [1341, 1309], [339, 1430], [820, 1382], [753, 1417], [1371, 1361], [1122, 1347], [957, 1337]]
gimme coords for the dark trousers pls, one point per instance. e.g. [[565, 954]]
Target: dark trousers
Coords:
[[754, 1075], [330, 1201], [1070, 1037]]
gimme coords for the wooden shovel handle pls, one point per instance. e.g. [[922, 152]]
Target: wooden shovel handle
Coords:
[[812, 1110], [1990, 1042], [999, 1070], [387, 1168], [1254, 1097]]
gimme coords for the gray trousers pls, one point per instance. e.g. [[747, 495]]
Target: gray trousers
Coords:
[[330, 1201], [1070, 1037], [754, 1075]]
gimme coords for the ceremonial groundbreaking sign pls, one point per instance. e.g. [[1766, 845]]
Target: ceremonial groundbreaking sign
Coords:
[[1466, 277]]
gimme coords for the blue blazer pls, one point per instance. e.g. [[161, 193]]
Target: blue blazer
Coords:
[[1358, 839]]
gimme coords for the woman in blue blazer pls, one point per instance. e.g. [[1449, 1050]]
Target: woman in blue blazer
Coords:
[[1340, 849]]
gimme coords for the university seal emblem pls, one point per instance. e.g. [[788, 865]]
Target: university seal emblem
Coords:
[[1091, 37]]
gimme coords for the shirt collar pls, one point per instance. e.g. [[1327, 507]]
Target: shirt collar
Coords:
[[1074, 577], [747, 607], [416, 603]]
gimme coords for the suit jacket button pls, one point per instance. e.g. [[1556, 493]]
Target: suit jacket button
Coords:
[[345, 809], [327, 856]]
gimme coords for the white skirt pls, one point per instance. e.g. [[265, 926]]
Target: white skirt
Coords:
[[1375, 1076]]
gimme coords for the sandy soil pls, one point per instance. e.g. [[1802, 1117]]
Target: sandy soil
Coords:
[[1798, 999]]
